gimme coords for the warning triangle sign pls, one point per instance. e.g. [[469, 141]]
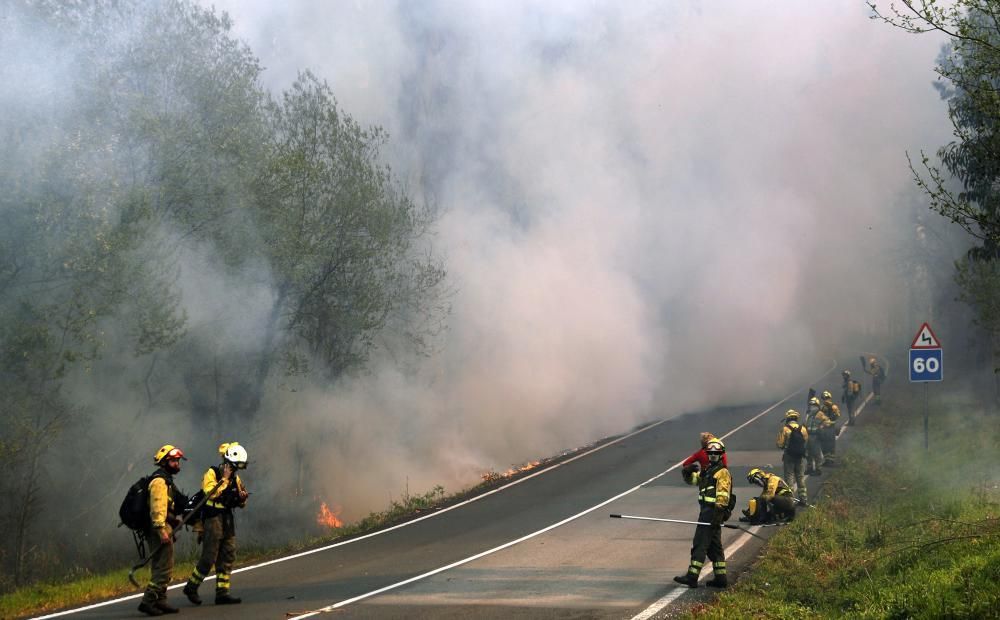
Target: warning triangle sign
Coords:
[[925, 339]]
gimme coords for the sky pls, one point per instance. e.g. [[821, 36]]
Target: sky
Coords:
[[645, 208]]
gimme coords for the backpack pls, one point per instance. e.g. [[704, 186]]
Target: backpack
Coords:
[[796, 444], [134, 511]]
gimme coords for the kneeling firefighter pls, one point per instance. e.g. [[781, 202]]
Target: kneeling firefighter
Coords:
[[716, 503], [776, 503], [225, 492]]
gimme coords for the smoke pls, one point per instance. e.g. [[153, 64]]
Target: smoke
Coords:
[[646, 208]]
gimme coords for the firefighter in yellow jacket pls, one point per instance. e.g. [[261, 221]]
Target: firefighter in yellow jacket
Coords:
[[793, 439], [776, 503], [715, 486], [815, 420], [828, 429], [225, 492], [162, 515]]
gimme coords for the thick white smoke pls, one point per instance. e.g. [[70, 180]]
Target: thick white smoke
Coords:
[[646, 207]]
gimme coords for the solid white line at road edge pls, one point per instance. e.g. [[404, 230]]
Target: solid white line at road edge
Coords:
[[393, 586]]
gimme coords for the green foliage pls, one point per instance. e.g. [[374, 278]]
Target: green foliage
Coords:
[[337, 232], [137, 133]]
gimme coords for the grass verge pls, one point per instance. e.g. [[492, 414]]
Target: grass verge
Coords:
[[899, 531]]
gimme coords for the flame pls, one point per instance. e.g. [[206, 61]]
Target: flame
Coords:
[[328, 518], [492, 475]]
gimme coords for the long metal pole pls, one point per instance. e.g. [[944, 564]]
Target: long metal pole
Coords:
[[926, 415]]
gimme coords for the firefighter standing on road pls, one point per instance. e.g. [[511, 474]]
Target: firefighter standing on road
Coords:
[[219, 536], [792, 439], [162, 515], [815, 420], [828, 429], [714, 492], [878, 376], [849, 396]]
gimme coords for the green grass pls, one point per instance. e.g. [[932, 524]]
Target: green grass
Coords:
[[899, 532]]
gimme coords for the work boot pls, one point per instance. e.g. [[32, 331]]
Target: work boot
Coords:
[[719, 581], [226, 599], [687, 579], [150, 609], [191, 591], [165, 607]]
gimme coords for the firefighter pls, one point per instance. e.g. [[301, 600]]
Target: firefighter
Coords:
[[815, 420], [776, 503], [849, 396], [163, 509], [714, 498], [218, 538], [793, 439], [828, 429], [878, 376]]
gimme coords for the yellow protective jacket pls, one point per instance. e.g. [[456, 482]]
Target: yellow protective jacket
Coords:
[[817, 420], [832, 411], [161, 501], [218, 499], [774, 485], [786, 430], [714, 487]]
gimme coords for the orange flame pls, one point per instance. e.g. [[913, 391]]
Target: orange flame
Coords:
[[328, 518], [492, 475]]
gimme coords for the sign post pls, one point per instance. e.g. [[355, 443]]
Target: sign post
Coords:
[[926, 365]]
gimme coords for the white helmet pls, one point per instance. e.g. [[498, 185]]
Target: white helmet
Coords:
[[236, 455]]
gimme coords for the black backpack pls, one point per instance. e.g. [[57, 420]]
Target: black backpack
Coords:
[[796, 444], [134, 511]]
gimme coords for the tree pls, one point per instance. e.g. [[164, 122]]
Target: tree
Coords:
[[340, 236], [970, 69]]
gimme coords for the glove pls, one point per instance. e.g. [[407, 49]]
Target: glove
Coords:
[[164, 536]]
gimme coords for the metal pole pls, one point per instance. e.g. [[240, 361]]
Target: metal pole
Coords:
[[926, 441]]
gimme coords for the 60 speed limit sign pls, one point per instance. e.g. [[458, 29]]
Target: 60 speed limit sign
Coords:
[[926, 365]]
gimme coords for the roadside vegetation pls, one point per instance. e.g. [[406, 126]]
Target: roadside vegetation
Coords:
[[898, 531]]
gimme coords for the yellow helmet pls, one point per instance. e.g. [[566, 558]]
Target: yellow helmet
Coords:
[[827, 395], [791, 414], [871, 361], [168, 452], [755, 475], [814, 401]]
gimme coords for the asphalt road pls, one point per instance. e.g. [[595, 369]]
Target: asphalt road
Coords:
[[590, 566]]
